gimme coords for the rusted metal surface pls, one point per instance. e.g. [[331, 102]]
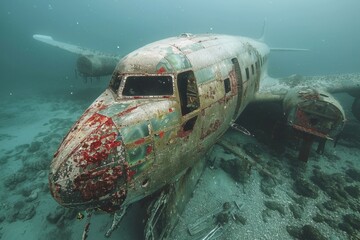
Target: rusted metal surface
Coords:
[[315, 112], [126, 147], [349, 82]]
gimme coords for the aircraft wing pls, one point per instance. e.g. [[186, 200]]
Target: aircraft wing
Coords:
[[308, 104], [272, 89], [90, 63], [65, 46]]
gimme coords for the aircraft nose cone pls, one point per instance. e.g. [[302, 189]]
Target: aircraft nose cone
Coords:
[[90, 169]]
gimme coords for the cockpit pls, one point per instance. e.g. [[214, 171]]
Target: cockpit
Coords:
[[147, 86], [135, 86]]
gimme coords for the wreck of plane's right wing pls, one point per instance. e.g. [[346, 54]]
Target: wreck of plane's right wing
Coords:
[[309, 106]]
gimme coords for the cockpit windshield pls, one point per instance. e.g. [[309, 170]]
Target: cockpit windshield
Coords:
[[148, 86]]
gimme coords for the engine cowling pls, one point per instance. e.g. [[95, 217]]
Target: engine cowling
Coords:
[[356, 108], [96, 65], [314, 111]]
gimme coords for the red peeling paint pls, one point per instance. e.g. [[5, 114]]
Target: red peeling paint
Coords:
[[161, 70], [94, 184], [127, 111], [149, 149], [161, 134], [97, 147], [140, 141], [130, 174], [95, 119]]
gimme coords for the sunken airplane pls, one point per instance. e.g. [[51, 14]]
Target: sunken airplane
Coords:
[[166, 105]]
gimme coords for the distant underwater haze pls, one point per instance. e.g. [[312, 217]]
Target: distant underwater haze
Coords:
[[42, 95], [329, 28]]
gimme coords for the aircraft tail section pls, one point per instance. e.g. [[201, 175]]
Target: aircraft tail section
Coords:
[[262, 37], [288, 49]]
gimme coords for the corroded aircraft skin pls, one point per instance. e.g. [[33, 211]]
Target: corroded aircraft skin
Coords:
[[167, 104]]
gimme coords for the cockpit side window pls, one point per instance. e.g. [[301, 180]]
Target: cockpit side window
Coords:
[[148, 86], [115, 82]]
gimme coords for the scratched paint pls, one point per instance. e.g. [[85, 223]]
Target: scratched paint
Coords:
[[97, 146], [135, 132], [124, 149]]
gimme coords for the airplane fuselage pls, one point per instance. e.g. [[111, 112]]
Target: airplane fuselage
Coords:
[[167, 104]]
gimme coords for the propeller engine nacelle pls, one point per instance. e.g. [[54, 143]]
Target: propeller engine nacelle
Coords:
[[315, 112], [356, 108], [96, 65]]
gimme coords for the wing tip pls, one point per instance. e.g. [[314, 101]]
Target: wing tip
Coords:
[[40, 37]]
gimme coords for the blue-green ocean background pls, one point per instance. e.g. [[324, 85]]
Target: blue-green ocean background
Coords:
[[28, 68], [329, 28]]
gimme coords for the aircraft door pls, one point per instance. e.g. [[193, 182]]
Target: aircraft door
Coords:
[[189, 100], [237, 71]]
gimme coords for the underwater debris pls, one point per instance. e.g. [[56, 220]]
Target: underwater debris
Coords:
[[20, 211], [34, 147], [309, 232], [304, 188], [2, 217], [296, 210], [204, 222], [267, 186], [323, 219], [293, 231], [350, 224], [27, 212], [11, 215], [33, 195], [353, 191], [243, 156], [218, 217], [5, 137], [222, 218], [39, 165], [239, 218], [331, 184], [239, 170], [354, 174], [333, 205], [13, 180], [54, 217], [214, 233], [253, 150], [306, 232], [80, 216], [275, 206], [265, 215]]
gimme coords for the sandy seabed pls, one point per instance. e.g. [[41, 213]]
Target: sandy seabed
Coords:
[[287, 200]]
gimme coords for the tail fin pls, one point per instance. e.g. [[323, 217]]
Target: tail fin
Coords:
[[288, 49], [262, 37]]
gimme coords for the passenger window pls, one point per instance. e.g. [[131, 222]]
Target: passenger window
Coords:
[[227, 85], [247, 73], [188, 92]]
